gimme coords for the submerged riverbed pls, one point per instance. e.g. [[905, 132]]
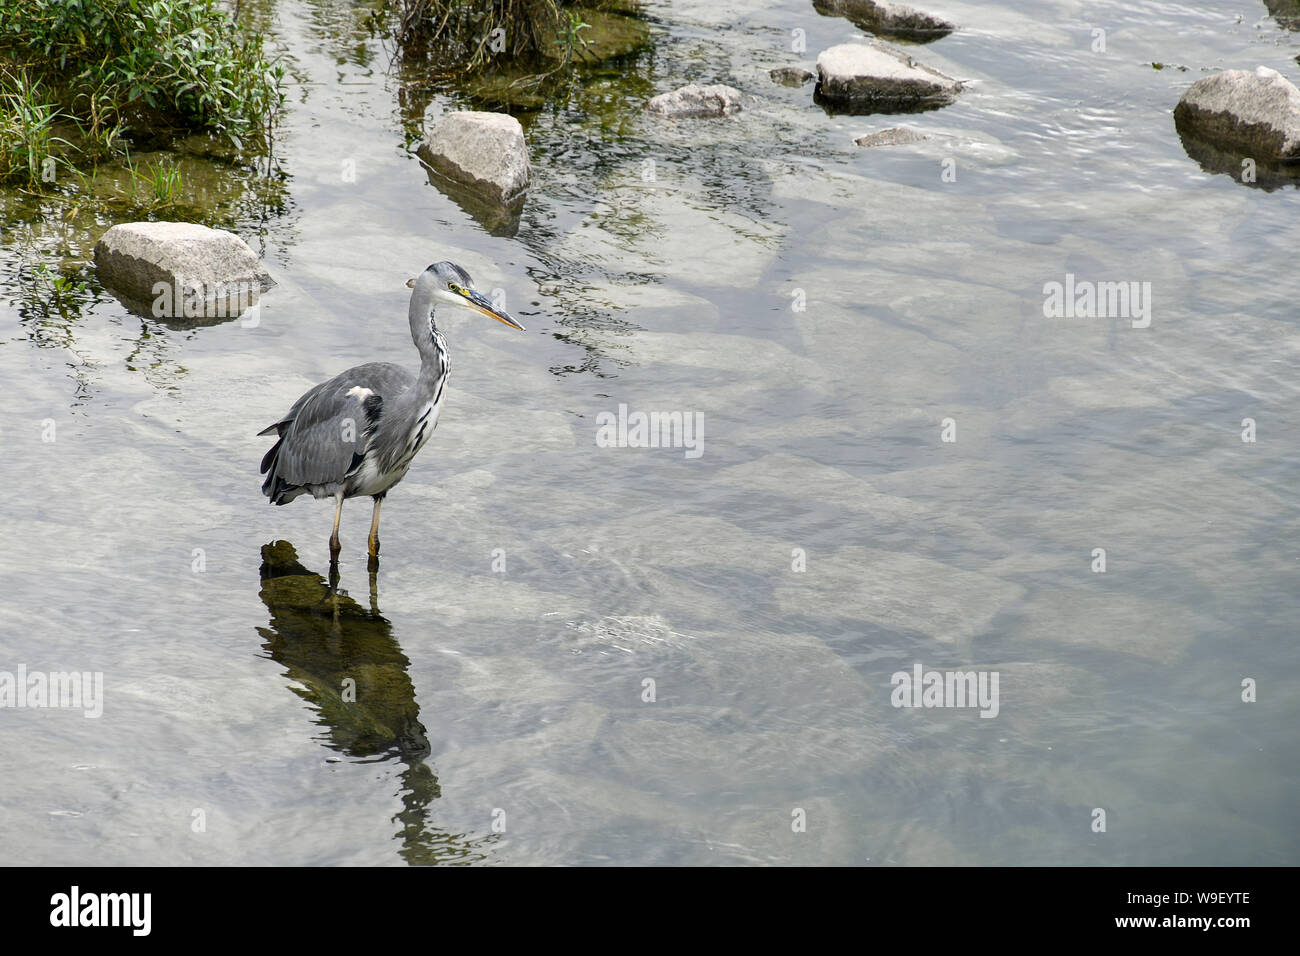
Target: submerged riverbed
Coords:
[[580, 654]]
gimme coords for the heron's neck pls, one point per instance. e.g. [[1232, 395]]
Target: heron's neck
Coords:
[[435, 362]]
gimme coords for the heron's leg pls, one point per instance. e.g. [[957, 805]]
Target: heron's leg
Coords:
[[335, 545], [374, 527]]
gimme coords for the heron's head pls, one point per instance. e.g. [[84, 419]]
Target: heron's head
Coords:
[[448, 282]]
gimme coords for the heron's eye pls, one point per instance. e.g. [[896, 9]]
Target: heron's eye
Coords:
[[455, 288]]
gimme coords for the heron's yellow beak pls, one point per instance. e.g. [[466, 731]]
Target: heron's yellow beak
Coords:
[[480, 303]]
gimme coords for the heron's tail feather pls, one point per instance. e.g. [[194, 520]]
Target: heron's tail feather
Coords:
[[276, 488], [282, 493], [279, 491]]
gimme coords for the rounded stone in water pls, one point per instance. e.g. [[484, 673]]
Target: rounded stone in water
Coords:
[[189, 259], [694, 100], [871, 77], [485, 151], [1256, 113]]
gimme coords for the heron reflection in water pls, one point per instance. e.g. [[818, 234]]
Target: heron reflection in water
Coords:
[[343, 660]]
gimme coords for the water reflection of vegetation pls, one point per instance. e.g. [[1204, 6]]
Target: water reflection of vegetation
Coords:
[[343, 660], [468, 35], [346, 29], [508, 55], [49, 303]]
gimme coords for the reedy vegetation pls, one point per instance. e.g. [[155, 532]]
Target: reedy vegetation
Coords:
[[113, 69]]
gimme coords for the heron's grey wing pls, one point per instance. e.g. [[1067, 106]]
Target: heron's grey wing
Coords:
[[323, 437]]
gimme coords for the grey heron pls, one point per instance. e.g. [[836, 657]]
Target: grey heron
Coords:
[[357, 433]]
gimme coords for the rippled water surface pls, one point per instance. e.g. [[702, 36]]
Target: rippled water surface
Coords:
[[532, 583]]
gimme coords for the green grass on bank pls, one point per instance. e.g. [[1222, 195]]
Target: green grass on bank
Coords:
[[109, 70]]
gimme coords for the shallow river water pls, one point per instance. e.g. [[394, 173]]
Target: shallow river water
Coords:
[[575, 654]]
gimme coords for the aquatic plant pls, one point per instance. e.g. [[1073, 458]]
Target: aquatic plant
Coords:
[[27, 140], [153, 189]]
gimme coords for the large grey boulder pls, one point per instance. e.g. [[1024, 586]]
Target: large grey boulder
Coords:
[[1255, 114], [694, 100], [888, 19], [875, 77], [170, 264], [485, 152]]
